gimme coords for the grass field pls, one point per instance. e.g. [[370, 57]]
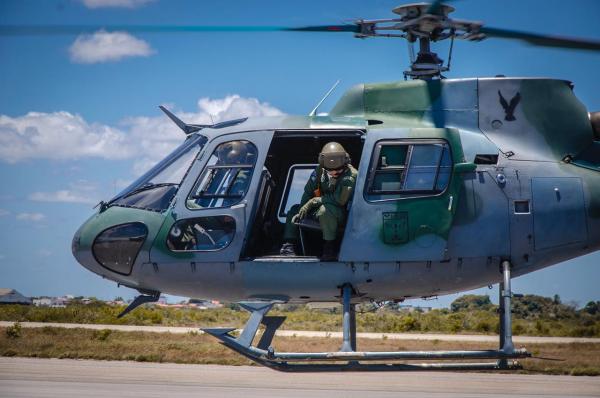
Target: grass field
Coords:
[[533, 317], [49, 342]]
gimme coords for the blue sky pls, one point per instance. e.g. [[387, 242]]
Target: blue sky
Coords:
[[89, 104]]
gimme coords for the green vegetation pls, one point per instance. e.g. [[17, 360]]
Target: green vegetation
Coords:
[[14, 331], [194, 348], [533, 315]]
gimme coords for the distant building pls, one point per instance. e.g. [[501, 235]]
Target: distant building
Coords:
[[54, 302], [203, 304], [11, 296], [42, 301], [59, 302], [410, 308]]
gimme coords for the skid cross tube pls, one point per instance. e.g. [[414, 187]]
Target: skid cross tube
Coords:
[[347, 358]]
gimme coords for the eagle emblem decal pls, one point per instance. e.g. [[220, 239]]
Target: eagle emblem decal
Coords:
[[509, 109]]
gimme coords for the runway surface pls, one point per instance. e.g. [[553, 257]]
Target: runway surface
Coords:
[[305, 333], [27, 377]]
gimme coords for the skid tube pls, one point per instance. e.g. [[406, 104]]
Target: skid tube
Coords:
[[349, 359]]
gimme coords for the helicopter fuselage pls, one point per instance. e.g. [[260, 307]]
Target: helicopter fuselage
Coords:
[[454, 177]]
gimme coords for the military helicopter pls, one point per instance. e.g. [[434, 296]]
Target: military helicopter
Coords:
[[462, 183]]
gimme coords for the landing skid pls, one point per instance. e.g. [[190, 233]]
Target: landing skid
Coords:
[[349, 359]]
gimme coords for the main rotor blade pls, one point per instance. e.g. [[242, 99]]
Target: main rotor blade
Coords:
[[23, 30], [77, 29], [355, 28], [543, 40]]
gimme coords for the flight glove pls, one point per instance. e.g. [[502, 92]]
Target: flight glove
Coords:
[[307, 208]]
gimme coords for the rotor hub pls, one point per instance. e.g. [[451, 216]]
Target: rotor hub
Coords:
[[415, 10], [422, 22]]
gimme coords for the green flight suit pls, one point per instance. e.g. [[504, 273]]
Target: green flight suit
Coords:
[[330, 208]]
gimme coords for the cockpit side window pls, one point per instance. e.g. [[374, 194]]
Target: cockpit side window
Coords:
[[402, 169], [201, 234], [226, 177]]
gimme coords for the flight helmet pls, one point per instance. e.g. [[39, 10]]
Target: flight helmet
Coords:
[[333, 156], [234, 152]]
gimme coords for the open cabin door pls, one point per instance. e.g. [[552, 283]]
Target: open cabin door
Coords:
[[406, 195], [214, 207]]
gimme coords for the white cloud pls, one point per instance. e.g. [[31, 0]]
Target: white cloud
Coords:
[[234, 106], [115, 3], [157, 136], [65, 196], [45, 253], [58, 135], [4, 212], [31, 217], [105, 46], [79, 192], [146, 140]]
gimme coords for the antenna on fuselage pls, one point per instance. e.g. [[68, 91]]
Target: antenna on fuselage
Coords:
[[314, 111]]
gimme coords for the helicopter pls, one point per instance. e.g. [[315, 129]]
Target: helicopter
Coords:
[[462, 183]]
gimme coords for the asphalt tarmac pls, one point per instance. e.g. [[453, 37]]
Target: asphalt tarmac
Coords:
[[29, 377]]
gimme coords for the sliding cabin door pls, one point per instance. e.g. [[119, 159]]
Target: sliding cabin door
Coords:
[[405, 197]]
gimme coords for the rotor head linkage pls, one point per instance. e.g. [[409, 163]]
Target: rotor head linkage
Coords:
[[422, 22]]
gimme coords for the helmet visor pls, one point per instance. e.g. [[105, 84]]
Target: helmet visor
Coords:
[[334, 161]]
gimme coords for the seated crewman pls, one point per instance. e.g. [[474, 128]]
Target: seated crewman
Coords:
[[230, 182], [325, 197]]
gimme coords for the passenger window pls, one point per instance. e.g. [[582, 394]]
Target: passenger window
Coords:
[[296, 179], [201, 234], [226, 178], [400, 169], [422, 170]]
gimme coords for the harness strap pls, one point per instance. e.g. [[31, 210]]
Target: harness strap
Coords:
[[317, 192]]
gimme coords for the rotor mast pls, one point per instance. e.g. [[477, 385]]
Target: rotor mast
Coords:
[[427, 65], [423, 23]]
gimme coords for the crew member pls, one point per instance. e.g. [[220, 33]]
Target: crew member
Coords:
[[227, 185], [325, 197]]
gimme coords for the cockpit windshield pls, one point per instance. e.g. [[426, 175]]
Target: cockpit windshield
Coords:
[[156, 188]]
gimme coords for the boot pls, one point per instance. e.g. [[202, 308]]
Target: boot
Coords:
[[329, 251], [288, 249]]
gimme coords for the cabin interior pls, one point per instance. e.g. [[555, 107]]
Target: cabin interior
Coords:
[[291, 158]]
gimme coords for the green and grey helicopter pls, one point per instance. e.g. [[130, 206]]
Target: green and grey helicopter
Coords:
[[461, 183]]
